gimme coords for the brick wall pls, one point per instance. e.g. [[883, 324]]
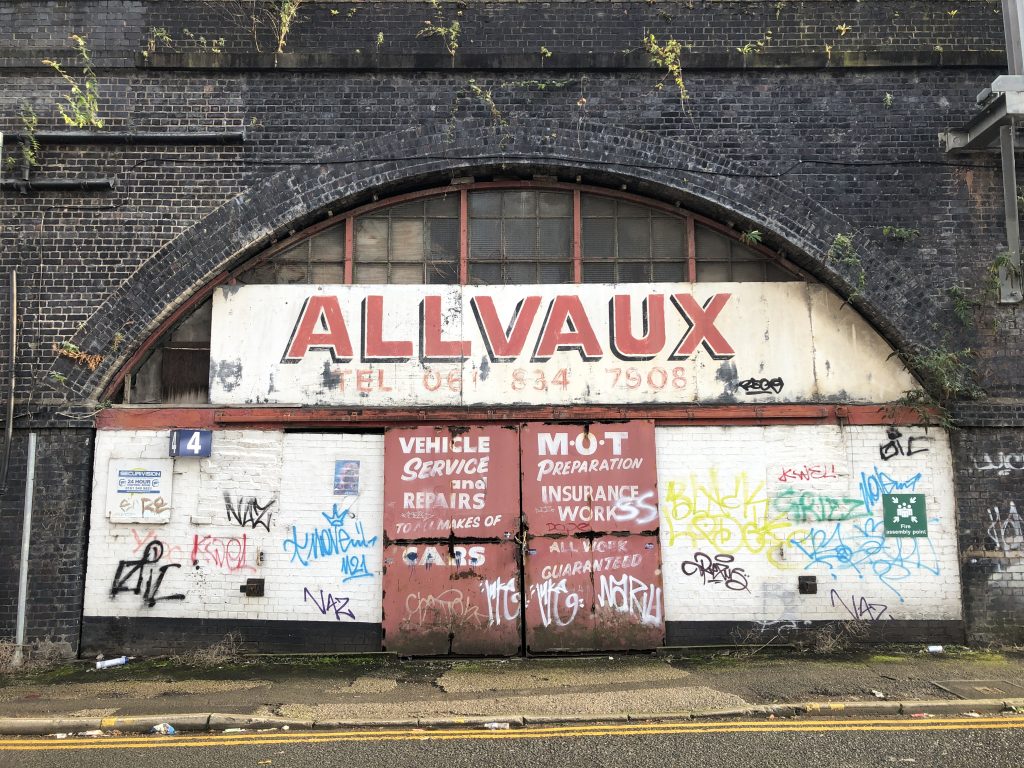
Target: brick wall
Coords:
[[799, 141]]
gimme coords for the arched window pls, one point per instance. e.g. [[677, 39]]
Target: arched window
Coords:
[[493, 233]]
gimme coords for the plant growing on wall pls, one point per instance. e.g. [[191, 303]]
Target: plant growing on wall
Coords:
[[259, 17], [843, 252], [29, 148], [668, 57], [82, 102], [448, 31]]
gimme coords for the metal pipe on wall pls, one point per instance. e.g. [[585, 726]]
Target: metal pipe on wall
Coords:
[[12, 357], [26, 540]]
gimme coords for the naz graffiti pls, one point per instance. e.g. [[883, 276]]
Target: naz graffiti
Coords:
[[717, 570], [860, 608], [342, 538], [247, 511], [336, 606], [143, 577]]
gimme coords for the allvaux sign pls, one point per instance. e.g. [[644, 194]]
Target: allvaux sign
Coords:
[[402, 345]]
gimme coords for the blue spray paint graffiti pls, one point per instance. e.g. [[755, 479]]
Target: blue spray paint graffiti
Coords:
[[878, 483], [334, 540], [864, 548]]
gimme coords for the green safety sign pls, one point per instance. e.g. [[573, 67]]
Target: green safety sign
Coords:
[[904, 514]]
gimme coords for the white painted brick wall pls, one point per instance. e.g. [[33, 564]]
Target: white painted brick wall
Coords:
[[721, 494], [296, 472]]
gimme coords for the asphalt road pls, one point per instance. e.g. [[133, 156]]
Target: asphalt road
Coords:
[[944, 742]]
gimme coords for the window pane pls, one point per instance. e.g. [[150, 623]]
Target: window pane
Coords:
[[370, 273], [410, 210], [668, 272], [407, 240], [485, 204], [594, 205], [446, 206], [484, 239], [598, 238], [712, 272], [327, 246], [555, 205], [634, 238], [485, 274], [291, 273], [406, 274], [668, 238], [748, 271], [634, 272], [327, 274], [711, 246], [775, 274], [371, 239], [554, 273], [629, 210], [553, 237], [265, 274], [443, 238], [520, 204], [440, 273], [600, 272], [520, 238], [519, 273]]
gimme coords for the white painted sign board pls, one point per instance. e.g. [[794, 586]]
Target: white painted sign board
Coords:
[[424, 345]]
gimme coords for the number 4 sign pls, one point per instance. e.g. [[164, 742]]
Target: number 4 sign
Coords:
[[191, 442]]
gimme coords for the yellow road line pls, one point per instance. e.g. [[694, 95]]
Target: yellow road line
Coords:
[[638, 729]]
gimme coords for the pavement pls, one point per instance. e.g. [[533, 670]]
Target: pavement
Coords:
[[302, 692]]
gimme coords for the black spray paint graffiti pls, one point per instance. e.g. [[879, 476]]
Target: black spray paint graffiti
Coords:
[[336, 605], [137, 569], [761, 386], [717, 570], [247, 511], [860, 608], [895, 445]]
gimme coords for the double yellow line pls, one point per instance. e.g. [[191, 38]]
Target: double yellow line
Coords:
[[577, 731]]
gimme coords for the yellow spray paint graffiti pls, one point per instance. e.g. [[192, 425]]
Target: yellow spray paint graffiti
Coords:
[[730, 514]]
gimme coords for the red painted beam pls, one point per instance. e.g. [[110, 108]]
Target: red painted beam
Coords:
[[278, 417]]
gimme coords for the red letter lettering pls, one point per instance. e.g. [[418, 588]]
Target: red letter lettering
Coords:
[[504, 346], [375, 348], [323, 312], [433, 349], [625, 345], [579, 334], [701, 322]]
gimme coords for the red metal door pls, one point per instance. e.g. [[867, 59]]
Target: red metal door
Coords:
[[592, 576], [451, 517]]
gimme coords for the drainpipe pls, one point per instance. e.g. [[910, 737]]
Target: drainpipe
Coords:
[[26, 538], [13, 358]]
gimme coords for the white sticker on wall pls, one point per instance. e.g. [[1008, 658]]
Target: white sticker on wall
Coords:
[[139, 490]]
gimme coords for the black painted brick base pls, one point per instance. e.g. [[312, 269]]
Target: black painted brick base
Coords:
[[748, 632], [113, 636]]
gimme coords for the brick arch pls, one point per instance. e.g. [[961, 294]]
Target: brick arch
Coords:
[[648, 164]]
